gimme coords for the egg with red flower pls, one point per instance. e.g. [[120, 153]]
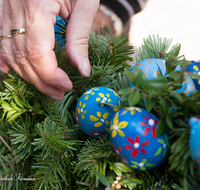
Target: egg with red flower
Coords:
[[133, 136]]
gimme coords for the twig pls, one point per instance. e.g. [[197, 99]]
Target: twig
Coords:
[[93, 186], [1, 138]]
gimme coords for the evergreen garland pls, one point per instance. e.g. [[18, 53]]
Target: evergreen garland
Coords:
[[41, 141]]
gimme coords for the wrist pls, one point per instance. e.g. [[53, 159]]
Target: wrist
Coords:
[[116, 21]]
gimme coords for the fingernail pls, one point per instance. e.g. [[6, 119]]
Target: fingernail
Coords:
[[58, 98], [3, 70], [86, 67]]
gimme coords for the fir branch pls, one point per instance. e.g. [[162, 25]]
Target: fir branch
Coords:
[[92, 157], [155, 47]]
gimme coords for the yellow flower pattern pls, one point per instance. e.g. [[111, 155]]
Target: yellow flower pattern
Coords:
[[103, 98], [81, 109], [118, 106], [196, 69], [116, 126], [115, 93], [100, 120], [132, 110], [90, 92]]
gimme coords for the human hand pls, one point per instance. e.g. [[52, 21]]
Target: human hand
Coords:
[[31, 54], [100, 21]]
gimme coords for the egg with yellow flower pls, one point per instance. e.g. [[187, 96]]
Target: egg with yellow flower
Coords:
[[133, 137], [95, 109], [194, 67]]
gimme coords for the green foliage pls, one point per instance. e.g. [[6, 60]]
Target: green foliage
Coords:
[[159, 96], [40, 139]]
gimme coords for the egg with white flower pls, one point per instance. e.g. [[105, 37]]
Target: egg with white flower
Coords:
[[95, 110], [133, 136]]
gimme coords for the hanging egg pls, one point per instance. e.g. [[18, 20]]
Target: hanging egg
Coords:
[[95, 110], [194, 142], [59, 29], [133, 136], [150, 68], [194, 67]]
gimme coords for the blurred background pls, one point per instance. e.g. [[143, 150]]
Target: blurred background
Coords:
[[176, 19]]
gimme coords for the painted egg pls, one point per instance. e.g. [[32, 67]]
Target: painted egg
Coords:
[[59, 35], [194, 68], [152, 65], [133, 136], [95, 109], [194, 142]]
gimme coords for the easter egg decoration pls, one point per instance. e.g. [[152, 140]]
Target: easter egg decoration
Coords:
[[194, 142], [95, 109], [133, 136], [59, 29], [150, 68], [194, 67]]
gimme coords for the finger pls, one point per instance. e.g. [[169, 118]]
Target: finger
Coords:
[[4, 67], [40, 41], [77, 34], [19, 50], [6, 45]]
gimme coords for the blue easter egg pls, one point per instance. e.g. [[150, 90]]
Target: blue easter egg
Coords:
[[194, 142], [150, 67], [95, 110], [133, 136], [194, 67], [60, 38]]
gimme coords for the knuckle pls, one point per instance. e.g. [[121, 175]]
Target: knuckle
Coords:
[[5, 55], [34, 52], [47, 78], [20, 58], [20, 55]]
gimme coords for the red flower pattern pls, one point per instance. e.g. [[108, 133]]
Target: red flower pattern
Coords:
[[78, 117], [95, 133], [118, 151], [150, 123], [135, 145]]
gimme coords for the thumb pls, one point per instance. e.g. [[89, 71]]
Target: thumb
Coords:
[[78, 32]]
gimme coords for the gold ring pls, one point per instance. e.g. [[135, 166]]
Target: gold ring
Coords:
[[17, 31], [4, 37]]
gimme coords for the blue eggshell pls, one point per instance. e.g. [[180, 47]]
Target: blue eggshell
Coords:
[[194, 142], [95, 109], [194, 67], [58, 37], [152, 65], [132, 133]]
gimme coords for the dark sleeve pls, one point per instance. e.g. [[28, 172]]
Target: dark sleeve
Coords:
[[124, 9]]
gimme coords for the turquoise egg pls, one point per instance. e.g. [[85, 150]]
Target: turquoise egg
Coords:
[[133, 136], [194, 67], [194, 142], [95, 109], [150, 67]]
